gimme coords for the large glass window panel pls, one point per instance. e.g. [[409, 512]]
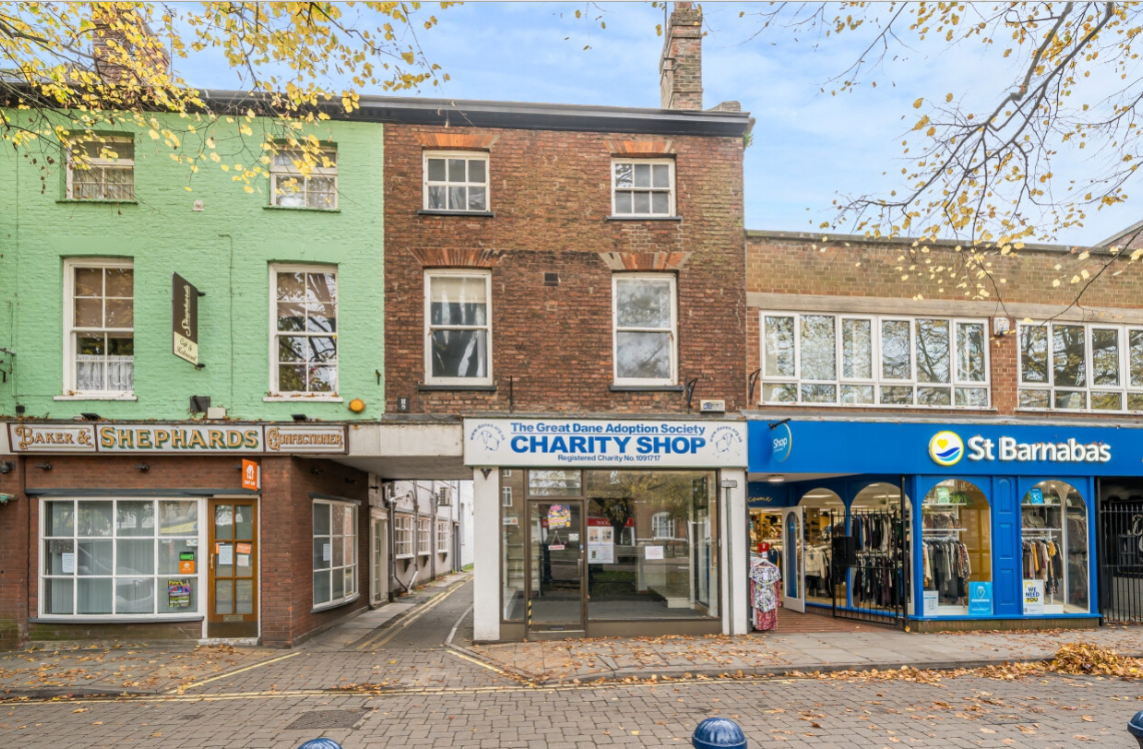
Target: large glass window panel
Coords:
[[970, 342], [306, 331], [459, 317], [643, 303], [1055, 545], [1104, 356], [779, 341], [896, 359], [94, 596], [897, 395], [819, 393], [957, 544], [101, 329], [1069, 358], [1034, 354], [512, 549], [460, 353], [857, 394], [643, 355], [644, 328], [857, 349], [819, 348], [555, 482], [780, 393], [459, 300], [933, 350], [1136, 343], [334, 556]]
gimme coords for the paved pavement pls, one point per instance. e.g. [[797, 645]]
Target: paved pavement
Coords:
[[389, 681]]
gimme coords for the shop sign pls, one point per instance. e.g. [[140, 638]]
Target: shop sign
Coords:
[[782, 440], [308, 439], [980, 599], [634, 444], [190, 438], [184, 319], [52, 438], [1033, 597], [251, 475]]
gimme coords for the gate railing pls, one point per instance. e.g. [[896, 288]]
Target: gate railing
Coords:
[[1121, 561]]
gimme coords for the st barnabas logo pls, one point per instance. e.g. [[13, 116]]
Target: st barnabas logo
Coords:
[[946, 448]]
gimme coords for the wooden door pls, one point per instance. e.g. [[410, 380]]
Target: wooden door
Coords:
[[233, 569]]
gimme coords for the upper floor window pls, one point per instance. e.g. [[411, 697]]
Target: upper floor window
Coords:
[[102, 168], [645, 322], [868, 360], [662, 525], [1081, 367], [458, 327], [303, 336], [456, 182], [643, 188], [296, 184], [99, 329]]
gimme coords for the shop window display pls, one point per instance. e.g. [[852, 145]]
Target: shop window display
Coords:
[[1055, 550], [957, 545], [512, 545], [822, 509], [883, 542]]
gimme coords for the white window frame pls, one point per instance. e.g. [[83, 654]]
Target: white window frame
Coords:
[[506, 496], [97, 161], [656, 520], [430, 274], [442, 537], [1125, 389], [468, 156], [349, 555], [281, 171], [877, 382], [424, 537], [403, 539], [275, 393], [199, 576], [670, 190], [71, 332], [616, 279]]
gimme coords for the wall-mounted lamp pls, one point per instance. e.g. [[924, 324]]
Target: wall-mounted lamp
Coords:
[[143, 467], [44, 466], [357, 405], [299, 417], [7, 466], [89, 416]]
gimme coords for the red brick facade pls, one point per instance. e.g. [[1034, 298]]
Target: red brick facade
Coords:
[[551, 199]]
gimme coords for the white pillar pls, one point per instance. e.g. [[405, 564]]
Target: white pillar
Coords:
[[736, 605], [486, 554]]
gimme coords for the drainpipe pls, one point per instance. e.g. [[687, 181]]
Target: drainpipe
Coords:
[[433, 532]]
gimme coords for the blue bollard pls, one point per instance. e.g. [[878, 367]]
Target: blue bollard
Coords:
[[320, 744], [718, 733], [1135, 727]]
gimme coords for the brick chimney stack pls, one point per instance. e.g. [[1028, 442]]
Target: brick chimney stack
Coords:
[[118, 32], [680, 68]]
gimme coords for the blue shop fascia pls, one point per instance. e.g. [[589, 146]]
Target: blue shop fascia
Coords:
[[991, 522]]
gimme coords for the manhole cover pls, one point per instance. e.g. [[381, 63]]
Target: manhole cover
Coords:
[[322, 719]]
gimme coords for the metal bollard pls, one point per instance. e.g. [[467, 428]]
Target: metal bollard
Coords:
[[718, 733], [1135, 727], [320, 744]]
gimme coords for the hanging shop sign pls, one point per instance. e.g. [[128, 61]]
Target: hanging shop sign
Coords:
[[210, 437], [184, 319], [633, 444], [953, 449]]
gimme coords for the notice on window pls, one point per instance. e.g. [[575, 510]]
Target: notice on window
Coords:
[[192, 541], [326, 552], [68, 563], [1037, 496], [186, 562], [556, 547], [652, 552], [178, 594], [943, 496], [511, 520], [559, 516], [245, 548], [600, 544], [1033, 597], [932, 602], [225, 554], [243, 560]]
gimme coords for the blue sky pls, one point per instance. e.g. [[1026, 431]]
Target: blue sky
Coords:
[[809, 147]]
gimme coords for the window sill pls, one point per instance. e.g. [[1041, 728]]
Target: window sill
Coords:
[[305, 209], [335, 604], [445, 388], [97, 397], [1075, 412], [403, 556], [880, 406], [99, 201], [644, 218], [115, 619], [647, 388], [478, 214], [303, 399]]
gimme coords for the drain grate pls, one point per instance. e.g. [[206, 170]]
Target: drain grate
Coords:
[[323, 719]]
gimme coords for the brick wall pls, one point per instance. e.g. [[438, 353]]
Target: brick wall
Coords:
[[550, 192], [807, 265]]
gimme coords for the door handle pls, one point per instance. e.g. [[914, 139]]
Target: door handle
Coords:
[[212, 561]]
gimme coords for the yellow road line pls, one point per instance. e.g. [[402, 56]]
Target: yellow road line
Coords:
[[385, 635], [227, 675], [470, 659]]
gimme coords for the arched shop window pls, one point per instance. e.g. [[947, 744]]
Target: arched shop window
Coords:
[[957, 544], [822, 509], [1053, 518], [877, 523]]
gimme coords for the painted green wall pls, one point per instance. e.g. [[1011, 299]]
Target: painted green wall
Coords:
[[224, 250]]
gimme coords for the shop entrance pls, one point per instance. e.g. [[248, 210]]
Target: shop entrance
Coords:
[[793, 521], [1121, 557], [233, 569], [378, 561], [556, 596]]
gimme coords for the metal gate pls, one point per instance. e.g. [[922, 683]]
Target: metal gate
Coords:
[[1121, 561], [871, 580]]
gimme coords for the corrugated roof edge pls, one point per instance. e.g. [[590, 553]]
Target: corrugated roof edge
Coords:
[[519, 115], [862, 239]]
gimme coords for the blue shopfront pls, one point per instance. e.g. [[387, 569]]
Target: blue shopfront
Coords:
[[944, 525]]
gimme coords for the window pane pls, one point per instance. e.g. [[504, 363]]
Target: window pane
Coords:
[[779, 339], [458, 198], [1135, 401], [88, 282], [895, 361], [1035, 399], [660, 203], [224, 521], [643, 355], [321, 587], [555, 482], [459, 353], [292, 379], [857, 349], [323, 350], [321, 287], [1068, 365], [930, 396], [337, 544], [60, 518], [321, 519], [819, 348], [642, 204], [95, 519], [57, 596], [438, 197], [458, 300], [1034, 354], [323, 379], [134, 556], [933, 351], [643, 303], [94, 557], [289, 193], [323, 552], [780, 393], [1136, 339], [292, 349], [223, 596], [54, 551], [437, 170], [856, 394], [456, 170], [897, 396], [120, 282], [642, 175], [94, 596], [169, 550], [1104, 357], [165, 606], [1070, 399], [338, 584], [477, 199], [661, 175], [178, 518], [819, 393], [244, 522], [89, 313], [622, 202], [974, 397], [135, 595], [624, 175], [135, 519], [970, 352], [244, 596], [291, 287], [476, 170], [1104, 401]]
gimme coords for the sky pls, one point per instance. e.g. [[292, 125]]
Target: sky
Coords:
[[809, 148]]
